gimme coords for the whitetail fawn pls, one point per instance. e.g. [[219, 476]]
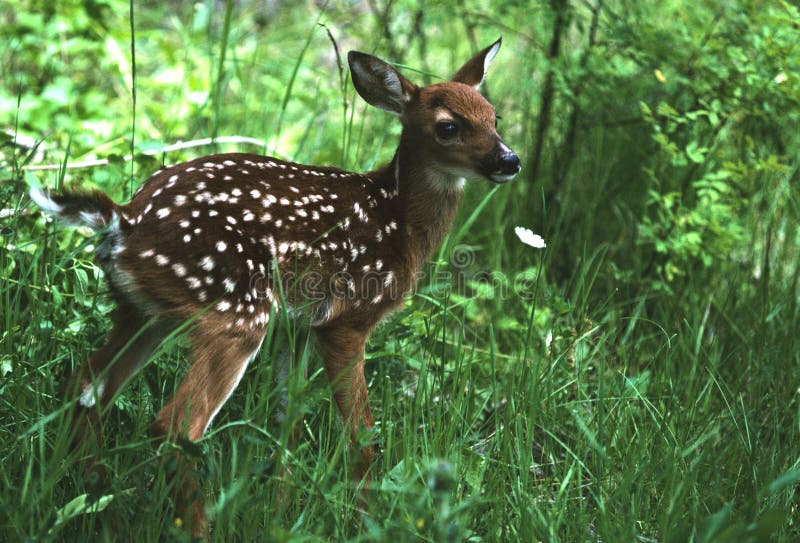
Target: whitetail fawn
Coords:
[[222, 241]]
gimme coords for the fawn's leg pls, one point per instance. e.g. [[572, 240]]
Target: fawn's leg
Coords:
[[219, 359], [132, 340], [342, 351]]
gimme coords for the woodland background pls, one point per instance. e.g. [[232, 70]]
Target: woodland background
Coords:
[[637, 380]]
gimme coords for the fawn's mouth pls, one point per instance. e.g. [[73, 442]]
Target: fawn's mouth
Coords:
[[500, 178]]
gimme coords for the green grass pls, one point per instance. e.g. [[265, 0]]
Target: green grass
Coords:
[[606, 388]]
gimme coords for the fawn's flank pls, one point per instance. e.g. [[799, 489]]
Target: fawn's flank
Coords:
[[222, 241]]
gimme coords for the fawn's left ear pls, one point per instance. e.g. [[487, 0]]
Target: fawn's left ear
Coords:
[[473, 72]]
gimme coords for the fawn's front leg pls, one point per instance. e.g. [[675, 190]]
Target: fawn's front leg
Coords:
[[342, 351]]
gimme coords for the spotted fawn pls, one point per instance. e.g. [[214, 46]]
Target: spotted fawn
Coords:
[[223, 241]]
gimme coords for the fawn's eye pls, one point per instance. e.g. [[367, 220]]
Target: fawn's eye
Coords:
[[446, 130]]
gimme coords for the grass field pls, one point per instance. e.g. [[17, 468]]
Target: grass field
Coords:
[[636, 380]]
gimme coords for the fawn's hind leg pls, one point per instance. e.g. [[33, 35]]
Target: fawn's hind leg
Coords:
[[131, 341], [219, 359]]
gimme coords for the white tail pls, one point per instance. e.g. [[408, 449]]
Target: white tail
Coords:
[[225, 239]]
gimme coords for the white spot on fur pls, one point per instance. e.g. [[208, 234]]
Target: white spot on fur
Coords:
[[229, 284], [179, 269], [360, 212]]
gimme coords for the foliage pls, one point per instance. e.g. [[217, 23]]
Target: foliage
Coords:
[[634, 381]]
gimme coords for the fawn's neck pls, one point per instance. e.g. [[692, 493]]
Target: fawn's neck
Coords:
[[428, 201]]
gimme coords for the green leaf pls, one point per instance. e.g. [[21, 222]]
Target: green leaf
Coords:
[[84, 505], [789, 478], [666, 110], [6, 366], [696, 153], [475, 472]]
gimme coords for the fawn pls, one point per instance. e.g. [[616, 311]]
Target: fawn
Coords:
[[221, 241]]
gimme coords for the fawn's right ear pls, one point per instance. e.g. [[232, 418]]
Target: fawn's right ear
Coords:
[[378, 83]]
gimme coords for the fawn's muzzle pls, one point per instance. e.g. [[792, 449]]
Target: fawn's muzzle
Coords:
[[502, 165]]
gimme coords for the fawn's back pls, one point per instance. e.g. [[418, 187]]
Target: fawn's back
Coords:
[[239, 234]]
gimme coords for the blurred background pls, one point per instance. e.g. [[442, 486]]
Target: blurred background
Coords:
[[636, 380]]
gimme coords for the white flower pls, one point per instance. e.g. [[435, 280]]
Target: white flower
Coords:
[[527, 237], [780, 78]]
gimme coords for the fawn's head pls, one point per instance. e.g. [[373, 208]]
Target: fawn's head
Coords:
[[448, 128]]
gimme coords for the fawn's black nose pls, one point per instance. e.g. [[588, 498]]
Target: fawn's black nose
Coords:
[[509, 163], [502, 165]]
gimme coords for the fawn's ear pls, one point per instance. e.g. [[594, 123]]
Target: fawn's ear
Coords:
[[378, 83], [473, 72]]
